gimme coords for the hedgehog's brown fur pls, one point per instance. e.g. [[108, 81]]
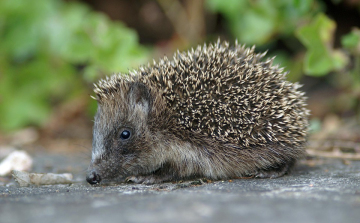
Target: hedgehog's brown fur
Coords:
[[217, 111]]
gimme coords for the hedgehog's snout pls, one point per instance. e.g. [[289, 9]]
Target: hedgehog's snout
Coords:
[[93, 177]]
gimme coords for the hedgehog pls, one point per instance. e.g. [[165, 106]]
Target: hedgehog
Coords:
[[216, 112]]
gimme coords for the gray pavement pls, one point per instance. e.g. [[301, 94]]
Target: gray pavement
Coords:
[[326, 192]]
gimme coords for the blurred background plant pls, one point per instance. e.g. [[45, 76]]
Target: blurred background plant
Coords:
[[52, 50]]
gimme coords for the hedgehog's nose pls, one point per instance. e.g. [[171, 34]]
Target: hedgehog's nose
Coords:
[[93, 178]]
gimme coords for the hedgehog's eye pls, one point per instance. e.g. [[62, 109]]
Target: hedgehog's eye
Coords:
[[125, 134]]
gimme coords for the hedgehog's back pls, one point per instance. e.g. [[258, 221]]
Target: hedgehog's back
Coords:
[[228, 93]]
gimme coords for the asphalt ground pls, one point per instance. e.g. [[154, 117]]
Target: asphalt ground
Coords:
[[318, 190]]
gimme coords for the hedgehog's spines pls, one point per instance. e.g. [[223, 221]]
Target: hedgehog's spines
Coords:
[[218, 80]]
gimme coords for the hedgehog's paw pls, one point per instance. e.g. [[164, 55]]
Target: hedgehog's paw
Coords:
[[275, 172], [269, 174], [141, 179], [150, 179]]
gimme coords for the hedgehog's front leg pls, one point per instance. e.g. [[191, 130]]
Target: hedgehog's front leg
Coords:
[[275, 172], [163, 174], [149, 179]]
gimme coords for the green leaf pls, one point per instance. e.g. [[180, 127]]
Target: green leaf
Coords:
[[262, 21], [228, 7], [302, 6], [320, 58], [254, 28], [351, 41]]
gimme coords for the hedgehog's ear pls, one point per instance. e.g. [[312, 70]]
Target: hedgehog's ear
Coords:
[[139, 95]]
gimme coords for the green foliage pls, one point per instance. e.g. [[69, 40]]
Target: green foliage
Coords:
[[258, 22], [43, 43], [306, 38], [264, 22], [320, 58], [50, 50], [351, 41]]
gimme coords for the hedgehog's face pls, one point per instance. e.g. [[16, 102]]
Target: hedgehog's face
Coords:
[[123, 144]]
